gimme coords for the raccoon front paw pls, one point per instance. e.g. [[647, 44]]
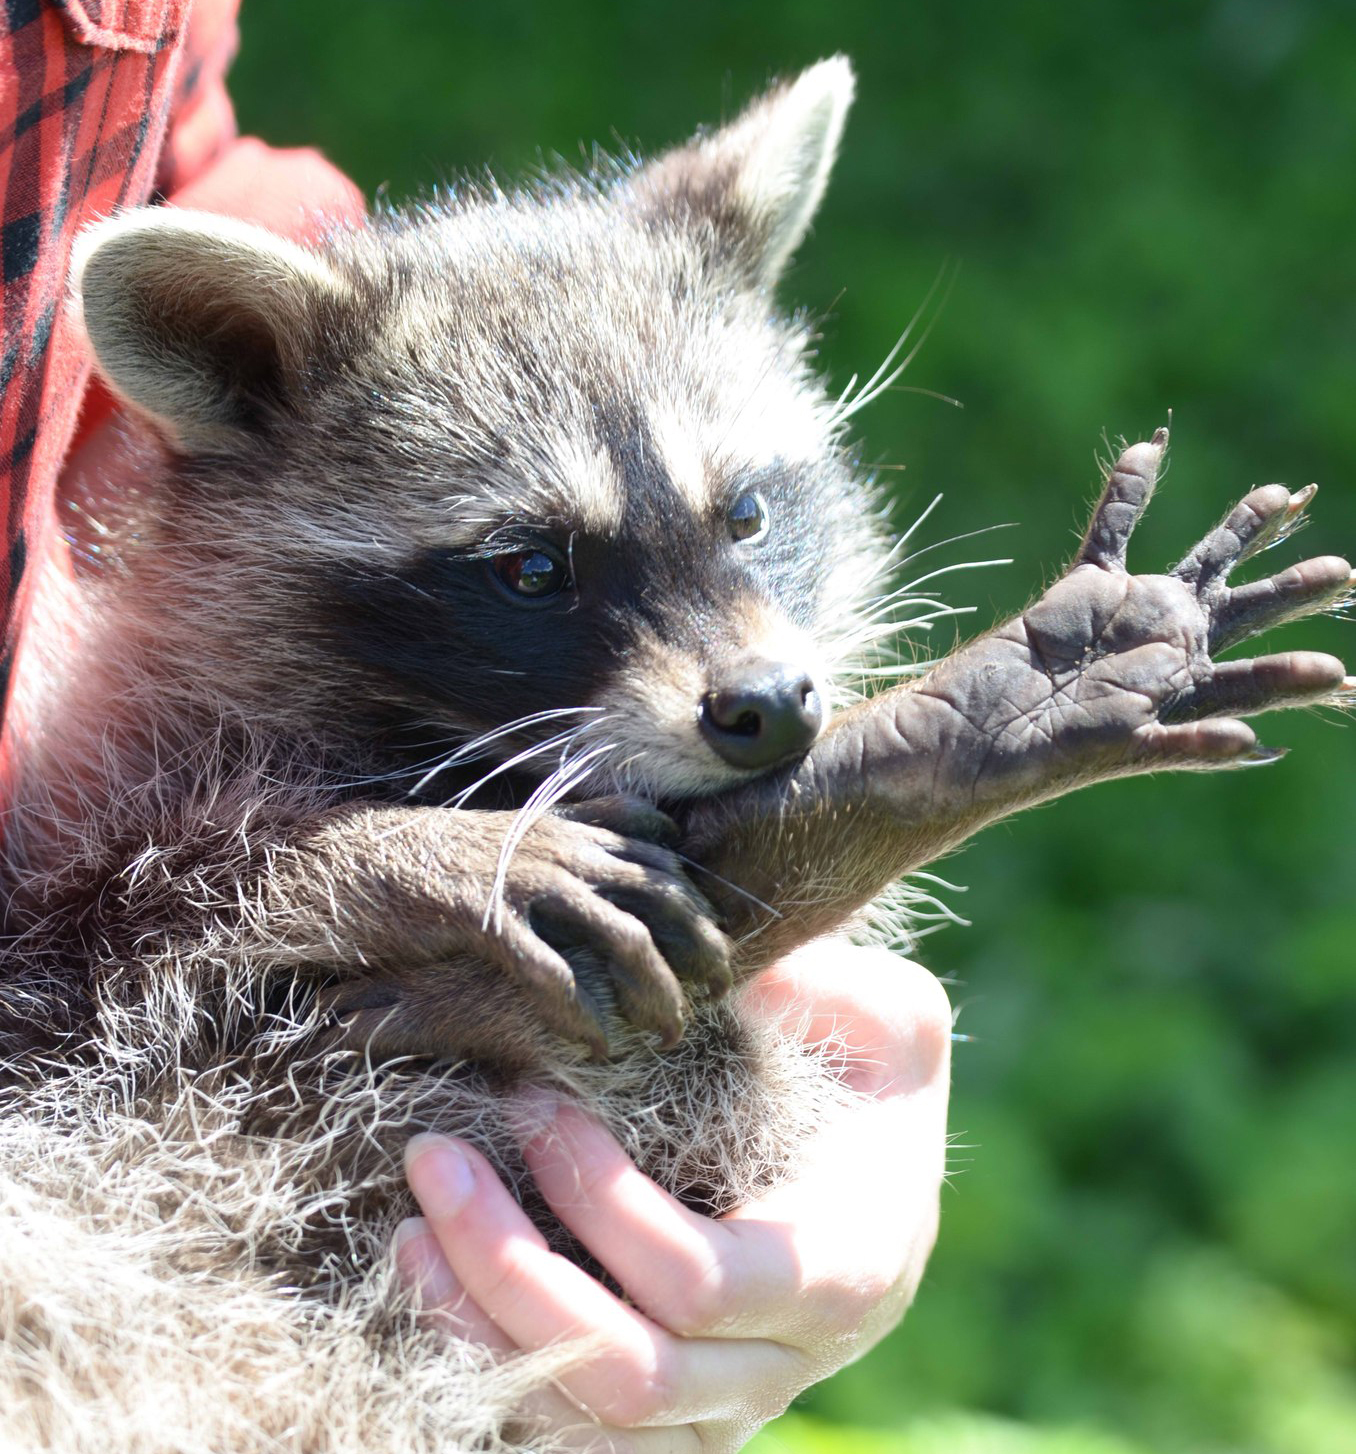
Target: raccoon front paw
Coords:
[[1109, 673], [581, 910], [1106, 675], [592, 916]]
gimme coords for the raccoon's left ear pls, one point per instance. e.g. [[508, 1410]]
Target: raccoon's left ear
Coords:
[[754, 185], [207, 324]]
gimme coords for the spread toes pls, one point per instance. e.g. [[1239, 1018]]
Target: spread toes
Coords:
[[1321, 584]]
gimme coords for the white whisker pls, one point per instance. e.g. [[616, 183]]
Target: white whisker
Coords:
[[542, 798], [561, 740], [885, 376], [946, 570], [476, 747], [956, 539]]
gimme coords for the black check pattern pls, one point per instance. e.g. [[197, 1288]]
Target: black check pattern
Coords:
[[87, 88]]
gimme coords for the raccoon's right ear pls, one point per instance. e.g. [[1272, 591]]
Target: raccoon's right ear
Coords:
[[203, 322], [753, 187]]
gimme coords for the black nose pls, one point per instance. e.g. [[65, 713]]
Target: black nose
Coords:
[[762, 713]]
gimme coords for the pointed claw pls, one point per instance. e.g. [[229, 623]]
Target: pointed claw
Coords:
[[1260, 756], [1295, 519], [1127, 492], [547, 976], [574, 1018], [1299, 501]]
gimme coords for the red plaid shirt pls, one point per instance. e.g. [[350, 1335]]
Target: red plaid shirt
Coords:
[[107, 104]]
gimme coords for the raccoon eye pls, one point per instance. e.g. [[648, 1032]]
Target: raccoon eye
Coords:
[[531, 575], [747, 517]]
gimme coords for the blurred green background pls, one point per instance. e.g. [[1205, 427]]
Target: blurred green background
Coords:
[[1150, 1240]]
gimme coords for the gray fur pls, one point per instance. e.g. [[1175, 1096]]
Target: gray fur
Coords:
[[242, 829], [321, 838]]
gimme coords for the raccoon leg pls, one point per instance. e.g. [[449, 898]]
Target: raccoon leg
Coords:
[[468, 933], [1107, 674]]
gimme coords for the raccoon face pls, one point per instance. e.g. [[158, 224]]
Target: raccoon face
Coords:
[[542, 479]]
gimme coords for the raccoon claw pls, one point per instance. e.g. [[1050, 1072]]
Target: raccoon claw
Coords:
[[602, 922], [654, 889], [646, 991], [584, 929], [549, 979]]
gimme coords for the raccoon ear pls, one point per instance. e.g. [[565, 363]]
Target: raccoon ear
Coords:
[[756, 183], [203, 322]]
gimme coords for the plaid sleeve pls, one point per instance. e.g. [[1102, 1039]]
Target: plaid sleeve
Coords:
[[87, 92]]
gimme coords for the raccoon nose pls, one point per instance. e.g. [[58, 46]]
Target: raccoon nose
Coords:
[[762, 714]]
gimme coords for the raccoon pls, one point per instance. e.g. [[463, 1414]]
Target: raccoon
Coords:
[[461, 694]]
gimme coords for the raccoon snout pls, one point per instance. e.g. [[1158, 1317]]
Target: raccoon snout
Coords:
[[762, 713]]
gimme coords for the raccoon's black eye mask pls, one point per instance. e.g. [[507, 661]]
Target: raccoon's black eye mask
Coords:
[[537, 571]]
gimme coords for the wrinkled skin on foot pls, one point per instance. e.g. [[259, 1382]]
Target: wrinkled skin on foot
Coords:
[[1107, 674]]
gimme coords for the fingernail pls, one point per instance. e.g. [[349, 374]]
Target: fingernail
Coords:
[[411, 1230], [423, 1268], [439, 1174]]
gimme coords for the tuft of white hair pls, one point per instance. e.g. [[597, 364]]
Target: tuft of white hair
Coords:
[[195, 1256]]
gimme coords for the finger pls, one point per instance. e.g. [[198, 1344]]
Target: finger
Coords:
[[859, 1218], [867, 1194], [445, 1304], [680, 1268], [1324, 583], [635, 1374], [1255, 522], [680, 922], [890, 1016], [436, 1290], [1127, 492], [1261, 684], [1219, 742]]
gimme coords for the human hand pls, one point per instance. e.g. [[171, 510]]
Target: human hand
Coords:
[[732, 1317]]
